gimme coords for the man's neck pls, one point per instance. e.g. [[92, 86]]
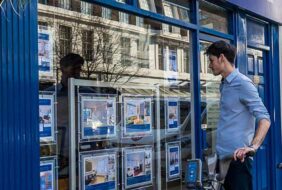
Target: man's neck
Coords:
[[228, 71]]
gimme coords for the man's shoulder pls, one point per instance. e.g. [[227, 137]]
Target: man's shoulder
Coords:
[[245, 82], [243, 79]]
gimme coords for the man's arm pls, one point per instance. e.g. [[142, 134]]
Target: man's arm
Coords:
[[261, 132], [250, 98]]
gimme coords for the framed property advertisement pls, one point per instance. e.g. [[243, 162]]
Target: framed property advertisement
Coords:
[[137, 114], [173, 159], [47, 174], [172, 115], [46, 117], [137, 165], [45, 52], [99, 170], [98, 117]]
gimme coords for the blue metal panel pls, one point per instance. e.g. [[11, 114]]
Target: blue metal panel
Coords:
[[216, 33], [269, 9], [19, 149], [197, 88], [275, 111]]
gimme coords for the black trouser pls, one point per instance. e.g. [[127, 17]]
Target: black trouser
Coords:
[[239, 175]]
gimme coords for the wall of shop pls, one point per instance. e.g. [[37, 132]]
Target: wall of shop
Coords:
[[19, 150]]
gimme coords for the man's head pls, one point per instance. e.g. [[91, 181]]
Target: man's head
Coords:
[[71, 67], [222, 57]]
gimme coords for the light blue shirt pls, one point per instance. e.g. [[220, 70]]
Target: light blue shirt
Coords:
[[240, 108]]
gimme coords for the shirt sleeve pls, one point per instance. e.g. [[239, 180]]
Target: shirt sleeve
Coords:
[[249, 96]]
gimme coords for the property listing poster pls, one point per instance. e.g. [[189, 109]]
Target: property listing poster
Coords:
[[47, 175], [172, 107], [138, 166], [99, 171], [46, 117], [98, 117], [137, 115], [45, 52], [173, 160]]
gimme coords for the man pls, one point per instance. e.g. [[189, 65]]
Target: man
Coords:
[[240, 109]]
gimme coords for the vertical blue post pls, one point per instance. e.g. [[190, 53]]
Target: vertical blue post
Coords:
[[19, 138]]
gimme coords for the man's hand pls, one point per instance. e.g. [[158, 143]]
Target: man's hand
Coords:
[[241, 153]]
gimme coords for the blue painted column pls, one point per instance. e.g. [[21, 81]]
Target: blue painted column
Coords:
[[19, 139]]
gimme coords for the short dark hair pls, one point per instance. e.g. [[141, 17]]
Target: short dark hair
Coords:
[[71, 59], [222, 47]]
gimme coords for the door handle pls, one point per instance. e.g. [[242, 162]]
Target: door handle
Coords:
[[279, 166]]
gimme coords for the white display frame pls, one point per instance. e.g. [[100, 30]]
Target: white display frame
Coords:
[[125, 131], [169, 129], [45, 52], [50, 97], [173, 175], [126, 168], [51, 162], [101, 155], [97, 98]]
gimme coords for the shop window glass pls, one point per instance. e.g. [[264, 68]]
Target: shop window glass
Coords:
[[210, 98], [255, 32], [126, 123], [213, 17], [177, 9]]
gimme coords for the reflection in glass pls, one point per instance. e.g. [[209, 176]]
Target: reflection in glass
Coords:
[[210, 96], [128, 56], [213, 17]]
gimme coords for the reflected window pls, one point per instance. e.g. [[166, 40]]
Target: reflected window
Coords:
[[65, 4], [106, 13], [65, 41], [178, 10], [213, 17], [148, 5], [255, 32], [139, 21], [87, 45], [125, 51], [86, 8], [123, 17]]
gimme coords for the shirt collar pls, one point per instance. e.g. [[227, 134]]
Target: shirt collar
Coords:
[[232, 76]]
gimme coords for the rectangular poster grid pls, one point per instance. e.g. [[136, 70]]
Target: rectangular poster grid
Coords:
[[45, 52], [47, 174], [137, 113], [173, 158], [46, 118], [99, 170], [138, 166], [98, 117], [172, 115]]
